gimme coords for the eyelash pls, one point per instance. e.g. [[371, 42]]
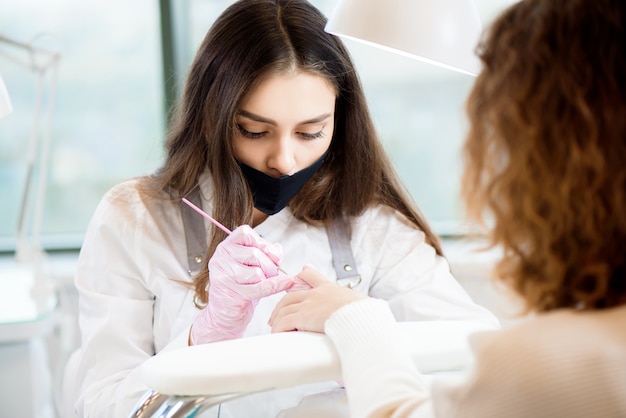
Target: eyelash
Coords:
[[256, 135], [316, 135], [248, 134]]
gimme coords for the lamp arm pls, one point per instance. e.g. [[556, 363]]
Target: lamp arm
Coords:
[[41, 62], [22, 241], [23, 45], [45, 153], [52, 57]]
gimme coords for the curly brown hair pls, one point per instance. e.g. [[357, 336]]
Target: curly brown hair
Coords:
[[546, 151]]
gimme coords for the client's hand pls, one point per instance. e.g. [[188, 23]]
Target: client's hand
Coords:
[[243, 269], [308, 310]]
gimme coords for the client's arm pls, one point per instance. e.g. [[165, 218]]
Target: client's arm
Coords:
[[380, 376]]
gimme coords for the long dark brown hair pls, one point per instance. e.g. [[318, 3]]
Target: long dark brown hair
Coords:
[[251, 39], [546, 151]]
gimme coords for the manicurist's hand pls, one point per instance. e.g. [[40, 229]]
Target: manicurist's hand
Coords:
[[245, 267], [243, 270], [308, 310]]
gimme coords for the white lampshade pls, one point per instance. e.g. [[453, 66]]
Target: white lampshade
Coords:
[[5, 101], [440, 32]]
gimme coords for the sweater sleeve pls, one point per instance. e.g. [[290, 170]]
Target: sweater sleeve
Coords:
[[561, 364], [380, 377]]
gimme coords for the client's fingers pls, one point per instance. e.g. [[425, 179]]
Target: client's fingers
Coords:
[[307, 279], [312, 277], [285, 306], [298, 285]]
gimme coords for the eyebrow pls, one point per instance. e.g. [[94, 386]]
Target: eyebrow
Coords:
[[261, 119]]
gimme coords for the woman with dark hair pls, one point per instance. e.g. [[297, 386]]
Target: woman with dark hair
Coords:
[[274, 140], [545, 159]]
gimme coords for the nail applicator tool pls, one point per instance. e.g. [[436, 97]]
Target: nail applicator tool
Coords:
[[215, 222], [206, 215]]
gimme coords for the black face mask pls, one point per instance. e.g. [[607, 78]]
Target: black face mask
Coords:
[[272, 194]]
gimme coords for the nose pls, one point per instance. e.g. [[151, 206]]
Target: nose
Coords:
[[281, 159]]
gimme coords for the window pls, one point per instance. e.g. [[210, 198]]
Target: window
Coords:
[[109, 114], [108, 120]]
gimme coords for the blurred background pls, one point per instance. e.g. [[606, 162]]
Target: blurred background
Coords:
[[119, 71]]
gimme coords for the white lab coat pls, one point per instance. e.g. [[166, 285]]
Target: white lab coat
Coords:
[[131, 306]]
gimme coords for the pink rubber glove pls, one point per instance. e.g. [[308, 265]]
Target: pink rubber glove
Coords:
[[243, 269]]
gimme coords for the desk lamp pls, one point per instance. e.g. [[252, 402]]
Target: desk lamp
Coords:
[[27, 293], [440, 32]]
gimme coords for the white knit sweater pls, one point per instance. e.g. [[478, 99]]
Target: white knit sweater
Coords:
[[562, 364]]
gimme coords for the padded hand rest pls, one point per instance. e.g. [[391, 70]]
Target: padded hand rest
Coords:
[[288, 359]]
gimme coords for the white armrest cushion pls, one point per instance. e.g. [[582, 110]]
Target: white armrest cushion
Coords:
[[288, 359]]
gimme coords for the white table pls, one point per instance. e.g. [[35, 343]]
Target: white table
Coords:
[[27, 315]]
